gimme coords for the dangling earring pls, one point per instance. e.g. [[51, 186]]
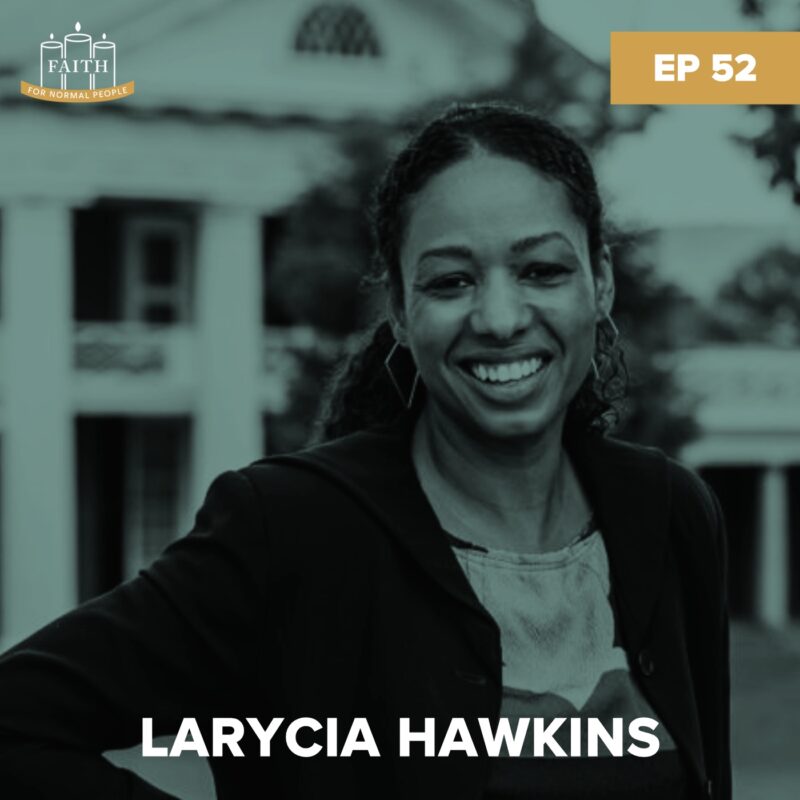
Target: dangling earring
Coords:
[[386, 363], [614, 328]]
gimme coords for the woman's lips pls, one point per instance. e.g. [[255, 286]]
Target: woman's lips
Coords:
[[505, 371], [506, 380], [494, 371]]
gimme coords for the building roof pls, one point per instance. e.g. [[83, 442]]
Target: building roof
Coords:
[[242, 56]]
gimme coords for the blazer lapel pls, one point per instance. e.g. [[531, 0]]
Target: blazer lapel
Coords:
[[629, 488], [376, 469], [629, 491]]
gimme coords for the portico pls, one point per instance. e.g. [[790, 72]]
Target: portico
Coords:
[[207, 366], [748, 400]]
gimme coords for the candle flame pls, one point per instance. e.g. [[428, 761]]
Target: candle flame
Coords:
[[77, 26], [51, 35], [104, 36]]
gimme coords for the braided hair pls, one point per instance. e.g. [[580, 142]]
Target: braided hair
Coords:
[[361, 394]]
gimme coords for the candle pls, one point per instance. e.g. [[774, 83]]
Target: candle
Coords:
[[50, 51], [78, 54], [105, 56]]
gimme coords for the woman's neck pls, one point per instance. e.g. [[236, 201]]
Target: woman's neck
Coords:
[[519, 495]]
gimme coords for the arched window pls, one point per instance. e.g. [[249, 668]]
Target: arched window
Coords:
[[337, 29]]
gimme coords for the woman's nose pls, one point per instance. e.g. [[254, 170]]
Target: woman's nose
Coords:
[[500, 310]]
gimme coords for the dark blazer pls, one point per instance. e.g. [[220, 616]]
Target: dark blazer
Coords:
[[321, 584]]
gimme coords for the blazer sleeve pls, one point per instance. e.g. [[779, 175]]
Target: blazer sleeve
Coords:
[[180, 640], [705, 563], [723, 756]]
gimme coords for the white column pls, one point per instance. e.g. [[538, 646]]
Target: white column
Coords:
[[772, 577], [227, 427], [39, 549]]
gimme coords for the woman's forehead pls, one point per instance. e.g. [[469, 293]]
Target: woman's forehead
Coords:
[[490, 201]]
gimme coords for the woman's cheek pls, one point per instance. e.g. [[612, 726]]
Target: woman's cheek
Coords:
[[435, 322]]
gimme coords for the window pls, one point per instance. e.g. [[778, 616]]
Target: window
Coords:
[[157, 269], [337, 29], [155, 486], [132, 477]]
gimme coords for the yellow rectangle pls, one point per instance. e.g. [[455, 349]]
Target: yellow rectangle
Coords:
[[53, 95], [674, 67]]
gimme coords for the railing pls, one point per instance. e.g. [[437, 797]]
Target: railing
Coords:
[[742, 386], [134, 368], [132, 348], [121, 366]]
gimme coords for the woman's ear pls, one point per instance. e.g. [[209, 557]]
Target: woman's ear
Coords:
[[604, 283]]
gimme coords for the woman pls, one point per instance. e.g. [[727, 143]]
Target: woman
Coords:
[[467, 545]]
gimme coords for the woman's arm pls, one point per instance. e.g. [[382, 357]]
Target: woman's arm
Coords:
[[180, 640]]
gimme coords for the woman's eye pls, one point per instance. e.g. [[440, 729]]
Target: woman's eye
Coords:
[[449, 283], [545, 273]]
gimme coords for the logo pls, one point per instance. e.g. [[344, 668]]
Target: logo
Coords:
[[77, 70]]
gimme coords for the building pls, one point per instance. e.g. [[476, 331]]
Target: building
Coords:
[[136, 360], [748, 408]]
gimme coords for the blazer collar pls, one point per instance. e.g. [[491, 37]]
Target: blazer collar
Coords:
[[627, 485], [376, 468]]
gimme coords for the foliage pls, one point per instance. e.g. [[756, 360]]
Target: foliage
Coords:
[[558, 81], [761, 302], [779, 143], [653, 317], [316, 270]]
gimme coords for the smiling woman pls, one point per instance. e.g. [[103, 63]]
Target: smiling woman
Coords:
[[489, 233], [466, 551]]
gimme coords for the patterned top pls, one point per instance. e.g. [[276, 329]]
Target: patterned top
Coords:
[[562, 658]]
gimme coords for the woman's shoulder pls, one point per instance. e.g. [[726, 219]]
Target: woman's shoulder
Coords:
[[365, 449], [341, 471], [666, 486], [688, 493]]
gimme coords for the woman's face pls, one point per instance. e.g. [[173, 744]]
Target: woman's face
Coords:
[[500, 301]]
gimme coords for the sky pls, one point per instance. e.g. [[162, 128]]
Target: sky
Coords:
[[685, 171]]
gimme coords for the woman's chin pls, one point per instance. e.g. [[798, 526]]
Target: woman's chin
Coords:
[[505, 426], [526, 417]]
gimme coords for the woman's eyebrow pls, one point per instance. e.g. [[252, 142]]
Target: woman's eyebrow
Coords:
[[456, 251], [534, 241], [463, 253]]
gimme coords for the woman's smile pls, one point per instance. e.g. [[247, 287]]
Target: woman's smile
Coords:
[[506, 379]]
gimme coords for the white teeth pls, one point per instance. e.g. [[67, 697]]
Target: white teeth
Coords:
[[505, 373]]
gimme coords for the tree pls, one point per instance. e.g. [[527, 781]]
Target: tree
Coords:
[[779, 143], [653, 317], [317, 268], [761, 302]]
